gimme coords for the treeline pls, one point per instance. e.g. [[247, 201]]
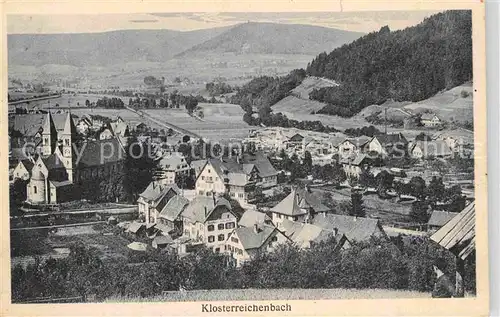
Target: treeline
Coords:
[[406, 65], [172, 100], [265, 91], [368, 131], [113, 103], [280, 120], [405, 264], [218, 88]]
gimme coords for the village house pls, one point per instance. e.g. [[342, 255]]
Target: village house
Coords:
[[300, 205], [170, 216], [438, 219], [458, 139], [267, 175], [305, 235], [352, 146], [251, 217], [152, 200], [388, 144], [245, 243], [172, 166], [220, 176], [208, 220], [430, 120], [358, 229], [354, 166], [430, 149]]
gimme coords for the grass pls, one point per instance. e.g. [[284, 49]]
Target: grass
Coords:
[[275, 294]]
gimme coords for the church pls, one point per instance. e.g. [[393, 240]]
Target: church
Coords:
[[56, 165]]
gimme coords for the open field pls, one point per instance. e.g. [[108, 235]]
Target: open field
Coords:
[[449, 105], [220, 121], [276, 294], [198, 69]]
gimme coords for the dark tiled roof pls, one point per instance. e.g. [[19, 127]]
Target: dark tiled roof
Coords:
[[311, 199], [262, 163], [99, 152], [174, 207], [289, 205], [440, 218], [156, 191], [200, 208], [386, 139], [355, 228], [28, 124]]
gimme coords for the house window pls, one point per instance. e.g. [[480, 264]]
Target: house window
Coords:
[[233, 194], [217, 250], [220, 237], [35, 189], [46, 141], [208, 193], [208, 170], [220, 226], [211, 228], [235, 240], [230, 225], [201, 192], [211, 238], [203, 178], [240, 195], [66, 141], [275, 238]]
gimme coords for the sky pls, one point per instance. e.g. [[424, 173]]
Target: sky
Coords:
[[353, 21]]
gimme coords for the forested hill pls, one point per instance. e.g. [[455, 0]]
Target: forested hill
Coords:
[[411, 64]]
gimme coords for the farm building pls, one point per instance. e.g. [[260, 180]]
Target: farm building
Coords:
[[430, 120], [439, 218]]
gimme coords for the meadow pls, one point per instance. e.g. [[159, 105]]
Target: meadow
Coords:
[[274, 294]]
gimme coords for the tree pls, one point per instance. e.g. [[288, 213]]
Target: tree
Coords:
[[356, 207], [384, 181], [436, 190], [366, 179], [140, 167], [307, 163], [419, 211], [418, 187]]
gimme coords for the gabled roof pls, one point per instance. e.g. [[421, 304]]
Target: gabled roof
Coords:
[[386, 139], [261, 162], [53, 161], [359, 141], [134, 227], [252, 217], [172, 160], [162, 240], [289, 205], [174, 207], [200, 208], [28, 164], [434, 148], [459, 234], [250, 239], [99, 152], [154, 192], [118, 127], [355, 228], [304, 233], [428, 116], [29, 124], [58, 184], [307, 198], [440, 218]]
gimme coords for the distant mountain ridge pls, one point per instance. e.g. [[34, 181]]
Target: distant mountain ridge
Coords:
[[103, 49], [115, 47], [274, 38]]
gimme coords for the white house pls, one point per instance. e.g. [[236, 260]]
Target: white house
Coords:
[[173, 165], [208, 220], [427, 149], [300, 205], [245, 243], [153, 199], [387, 144], [430, 120], [352, 146], [23, 169]]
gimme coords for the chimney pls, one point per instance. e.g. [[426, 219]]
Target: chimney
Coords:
[[335, 231], [256, 228], [206, 210], [355, 218], [214, 198]]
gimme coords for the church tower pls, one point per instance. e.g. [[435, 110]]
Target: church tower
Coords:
[[66, 138], [49, 136]]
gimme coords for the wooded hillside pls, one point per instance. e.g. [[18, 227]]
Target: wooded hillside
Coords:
[[411, 64]]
